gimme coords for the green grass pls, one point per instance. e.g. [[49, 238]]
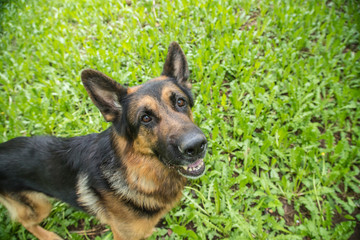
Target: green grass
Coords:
[[278, 94]]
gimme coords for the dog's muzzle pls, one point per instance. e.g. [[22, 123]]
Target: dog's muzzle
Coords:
[[192, 147]]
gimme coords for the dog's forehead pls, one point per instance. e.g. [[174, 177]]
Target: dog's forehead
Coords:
[[156, 88]]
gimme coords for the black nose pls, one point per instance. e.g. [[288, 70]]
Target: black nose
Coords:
[[192, 144]]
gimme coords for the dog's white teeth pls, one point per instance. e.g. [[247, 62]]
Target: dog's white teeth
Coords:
[[192, 169]]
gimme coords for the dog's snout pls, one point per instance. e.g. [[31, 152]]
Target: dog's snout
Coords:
[[193, 145]]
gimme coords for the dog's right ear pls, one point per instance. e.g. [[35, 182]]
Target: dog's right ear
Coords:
[[104, 92]]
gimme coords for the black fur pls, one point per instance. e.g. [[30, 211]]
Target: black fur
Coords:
[[51, 165]]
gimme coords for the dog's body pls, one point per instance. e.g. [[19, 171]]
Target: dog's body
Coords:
[[128, 176]]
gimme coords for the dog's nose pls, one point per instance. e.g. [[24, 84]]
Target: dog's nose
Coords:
[[193, 145]]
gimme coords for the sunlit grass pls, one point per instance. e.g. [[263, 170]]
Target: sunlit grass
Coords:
[[277, 86]]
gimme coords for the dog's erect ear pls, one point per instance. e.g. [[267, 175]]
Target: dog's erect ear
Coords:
[[176, 65], [104, 92]]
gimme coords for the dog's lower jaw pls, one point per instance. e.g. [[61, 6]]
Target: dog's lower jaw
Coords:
[[192, 171]]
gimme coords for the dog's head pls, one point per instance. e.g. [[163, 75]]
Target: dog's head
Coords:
[[155, 117]]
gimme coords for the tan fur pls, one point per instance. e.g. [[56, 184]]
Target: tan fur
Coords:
[[135, 88], [132, 227], [145, 172], [143, 143], [30, 208], [161, 78], [165, 97], [166, 93], [132, 89], [88, 198], [147, 102]]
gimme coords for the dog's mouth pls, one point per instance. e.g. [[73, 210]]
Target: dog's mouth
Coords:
[[193, 170]]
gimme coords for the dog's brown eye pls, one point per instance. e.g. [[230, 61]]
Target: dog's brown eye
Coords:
[[181, 102], [146, 118]]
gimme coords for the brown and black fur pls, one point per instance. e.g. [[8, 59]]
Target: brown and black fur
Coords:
[[128, 176]]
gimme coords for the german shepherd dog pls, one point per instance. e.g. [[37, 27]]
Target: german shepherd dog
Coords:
[[128, 176]]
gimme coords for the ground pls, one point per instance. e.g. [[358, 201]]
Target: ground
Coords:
[[277, 86]]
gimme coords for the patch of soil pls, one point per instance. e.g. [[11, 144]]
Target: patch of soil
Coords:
[[290, 212]]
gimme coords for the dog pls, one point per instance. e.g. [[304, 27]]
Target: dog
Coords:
[[128, 176]]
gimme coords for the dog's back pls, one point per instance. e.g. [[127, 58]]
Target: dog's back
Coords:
[[38, 164]]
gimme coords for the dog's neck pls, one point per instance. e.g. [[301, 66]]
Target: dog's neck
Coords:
[[145, 175]]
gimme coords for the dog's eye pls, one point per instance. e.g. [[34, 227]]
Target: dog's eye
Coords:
[[146, 118], [181, 102]]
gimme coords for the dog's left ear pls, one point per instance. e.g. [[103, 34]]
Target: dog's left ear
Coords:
[[105, 93], [176, 65]]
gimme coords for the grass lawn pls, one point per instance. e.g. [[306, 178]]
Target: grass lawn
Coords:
[[278, 94]]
